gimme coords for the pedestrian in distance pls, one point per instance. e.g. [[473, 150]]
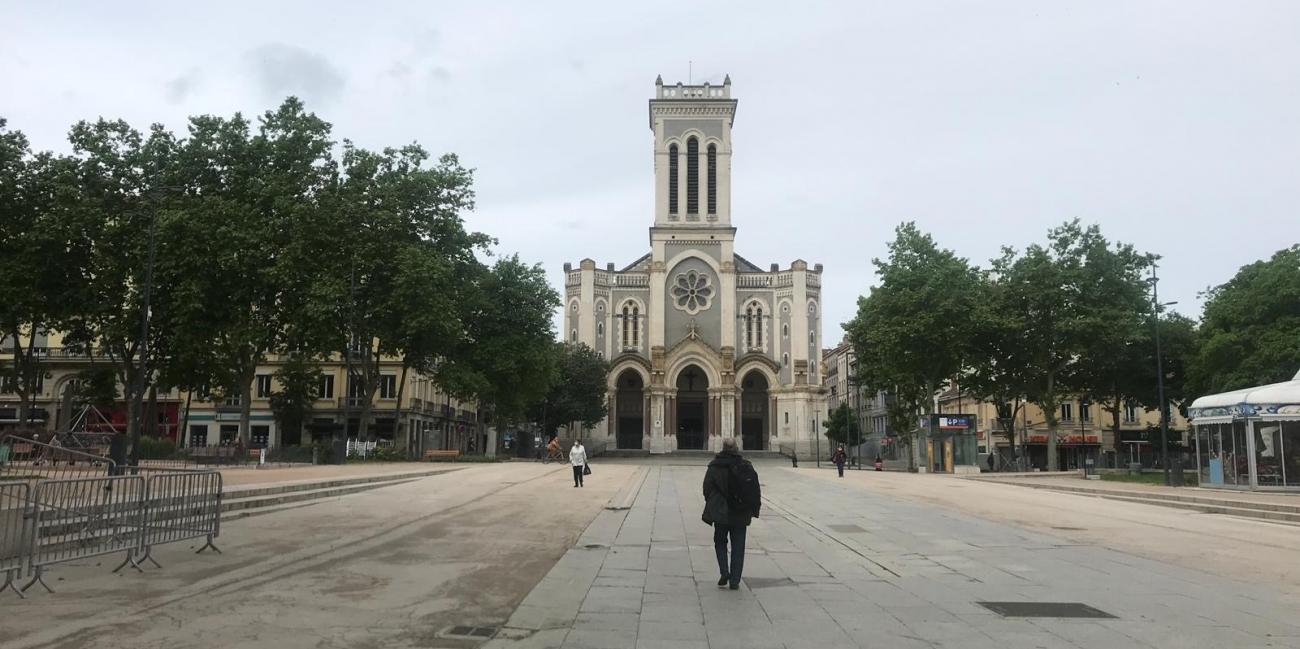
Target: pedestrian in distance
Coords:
[[732, 498], [880, 464], [838, 458], [578, 459]]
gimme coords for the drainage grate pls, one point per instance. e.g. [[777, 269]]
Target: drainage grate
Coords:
[[755, 583], [471, 631], [1044, 609], [846, 529]]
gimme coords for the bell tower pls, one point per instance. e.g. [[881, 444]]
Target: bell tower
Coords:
[[692, 147]]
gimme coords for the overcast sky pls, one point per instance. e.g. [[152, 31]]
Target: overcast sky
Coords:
[[1175, 125]]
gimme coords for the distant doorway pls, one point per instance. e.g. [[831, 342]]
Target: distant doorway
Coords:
[[692, 408], [629, 407], [753, 411]]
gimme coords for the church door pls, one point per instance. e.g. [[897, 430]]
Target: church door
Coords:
[[692, 411], [630, 406], [753, 411]]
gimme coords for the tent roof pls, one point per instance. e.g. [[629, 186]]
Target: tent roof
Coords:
[[1273, 394]]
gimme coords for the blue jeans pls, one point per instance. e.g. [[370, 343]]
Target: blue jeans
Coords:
[[840, 466], [737, 533]]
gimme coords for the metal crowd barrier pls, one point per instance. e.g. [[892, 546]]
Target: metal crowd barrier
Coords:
[[81, 518], [15, 529], [179, 506]]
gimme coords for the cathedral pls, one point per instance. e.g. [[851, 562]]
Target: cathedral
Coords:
[[702, 343]]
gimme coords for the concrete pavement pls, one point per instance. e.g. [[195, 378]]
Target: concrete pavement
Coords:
[[845, 563]]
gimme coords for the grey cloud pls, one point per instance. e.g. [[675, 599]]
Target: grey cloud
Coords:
[[283, 70], [440, 74], [177, 89]]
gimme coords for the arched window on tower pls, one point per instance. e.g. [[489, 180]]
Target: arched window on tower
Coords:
[[749, 327], [692, 176], [627, 323], [636, 326], [713, 179], [672, 179]]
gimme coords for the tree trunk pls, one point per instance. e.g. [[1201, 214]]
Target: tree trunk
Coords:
[[182, 435], [246, 404], [1049, 414], [397, 410]]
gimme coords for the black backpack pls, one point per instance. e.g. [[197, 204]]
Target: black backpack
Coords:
[[743, 492]]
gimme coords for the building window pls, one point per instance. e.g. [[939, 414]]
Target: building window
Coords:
[[713, 179], [754, 326], [785, 360], [672, 179], [198, 435], [1067, 412], [263, 386], [1085, 411], [573, 335], [692, 291], [233, 400], [326, 390], [785, 331], [631, 325], [388, 386], [600, 329], [636, 326], [1130, 412], [692, 176]]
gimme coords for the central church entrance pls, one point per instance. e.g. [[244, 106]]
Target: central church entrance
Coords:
[[630, 406], [753, 411], [692, 408]]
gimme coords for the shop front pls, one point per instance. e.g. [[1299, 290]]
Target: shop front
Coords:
[[1249, 439]]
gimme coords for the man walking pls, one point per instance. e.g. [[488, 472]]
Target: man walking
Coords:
[[839, 458], [578, 458], [731, 499]]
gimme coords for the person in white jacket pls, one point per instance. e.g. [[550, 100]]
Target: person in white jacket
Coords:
[[578, 458]]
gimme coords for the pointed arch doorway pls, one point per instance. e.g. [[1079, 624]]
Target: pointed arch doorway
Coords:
[[692, 403], [754, 424], [630, 407]]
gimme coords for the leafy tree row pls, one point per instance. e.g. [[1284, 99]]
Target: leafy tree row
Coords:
[[256, 238], [1074, 316]]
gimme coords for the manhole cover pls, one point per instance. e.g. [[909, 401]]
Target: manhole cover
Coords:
[[1044, 609], [846, 529], [755, 583], [471, 631]]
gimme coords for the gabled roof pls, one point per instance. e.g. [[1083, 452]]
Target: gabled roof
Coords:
[[745, 266], [642, 263]]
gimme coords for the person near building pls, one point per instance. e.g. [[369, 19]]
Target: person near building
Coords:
[[838, 458], [732, 498], [578, 459]]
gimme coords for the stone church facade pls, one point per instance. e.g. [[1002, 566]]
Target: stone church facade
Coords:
[[702, 343]]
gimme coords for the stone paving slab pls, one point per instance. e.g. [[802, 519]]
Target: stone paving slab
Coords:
[[830, 565]]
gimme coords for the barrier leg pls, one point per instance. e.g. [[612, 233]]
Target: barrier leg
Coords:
[[38, 577], [148, 554], [10, 585], [129, 560], [209, 544]]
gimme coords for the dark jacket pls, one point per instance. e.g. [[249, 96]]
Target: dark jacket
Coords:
[[717, 480], [839, 457]]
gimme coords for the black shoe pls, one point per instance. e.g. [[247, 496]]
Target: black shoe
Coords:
[[723, 582], [735, 585]]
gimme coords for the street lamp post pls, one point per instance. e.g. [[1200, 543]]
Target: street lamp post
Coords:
[[136, 423], [1160, 378]]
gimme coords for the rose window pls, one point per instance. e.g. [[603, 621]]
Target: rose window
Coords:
[[692, 291]]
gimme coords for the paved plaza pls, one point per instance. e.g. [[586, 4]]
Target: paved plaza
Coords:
[[836, 563], [512, 550]]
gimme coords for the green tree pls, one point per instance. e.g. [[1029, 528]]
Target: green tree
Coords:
[[122, 178], [998, 369], [404, 250], [506, 358], [577, 389], [842, 425], [299, 379], [1250, 330], [235, 291], [39, 259], [1078, 299], [913, 332]]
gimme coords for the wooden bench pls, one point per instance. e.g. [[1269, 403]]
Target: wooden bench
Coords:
[[433, 454]]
